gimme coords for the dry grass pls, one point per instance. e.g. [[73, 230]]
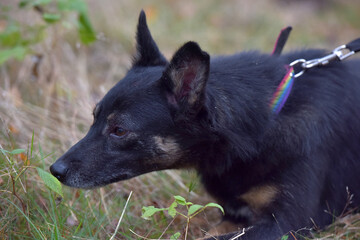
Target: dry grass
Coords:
[[54, 99], [347, 227]]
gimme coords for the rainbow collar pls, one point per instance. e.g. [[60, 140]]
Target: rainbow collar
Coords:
[[282, 92]]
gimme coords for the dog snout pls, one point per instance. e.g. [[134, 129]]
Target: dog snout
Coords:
[[59, 170]]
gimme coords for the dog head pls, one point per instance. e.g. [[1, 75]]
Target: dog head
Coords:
[[142, 123]]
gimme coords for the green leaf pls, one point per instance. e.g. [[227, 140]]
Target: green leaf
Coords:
[[50, 181], [86, 31], [180, 200], [72, 5], [147, 212], [285, 237], [41, 2], [23, 3], [17, 151], [4, 151], [16, 52], [194, 208], [11, 36], [175, 236], [172, 210], [51, 18], [215, 205]]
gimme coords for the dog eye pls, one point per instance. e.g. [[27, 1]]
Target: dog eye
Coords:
[[120, 132]]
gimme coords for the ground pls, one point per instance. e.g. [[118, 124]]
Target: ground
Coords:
[[49, 96]]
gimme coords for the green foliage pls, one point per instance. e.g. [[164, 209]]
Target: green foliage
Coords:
[[215, 205], [51, 18], [13, 152], [32, 211], [192, 185], [173, 211], [175, 236], [180, 200], [18, 39], [192, 209], [86, 32], [149, 211], [285, 237], [50, 181]]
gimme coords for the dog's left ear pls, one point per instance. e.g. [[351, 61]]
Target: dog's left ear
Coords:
[[185, 79], [147, 52]]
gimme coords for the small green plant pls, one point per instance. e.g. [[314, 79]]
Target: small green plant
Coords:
[[285, 237], [16, 165], [18, 39], [173, 210], [10, 159]]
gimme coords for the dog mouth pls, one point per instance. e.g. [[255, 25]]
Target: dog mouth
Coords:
[[73, 175], [78, 180]]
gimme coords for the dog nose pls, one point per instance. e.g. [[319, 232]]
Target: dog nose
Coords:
[[59, 170]]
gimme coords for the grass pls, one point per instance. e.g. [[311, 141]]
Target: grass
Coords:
[[46, 103], [31, 211]]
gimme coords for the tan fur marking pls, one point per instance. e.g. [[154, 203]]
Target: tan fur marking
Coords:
[[169, 152], [260, 196], [111, 116], [167, 145]]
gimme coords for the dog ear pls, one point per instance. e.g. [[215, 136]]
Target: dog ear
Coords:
[[185, 78], [147, 52]]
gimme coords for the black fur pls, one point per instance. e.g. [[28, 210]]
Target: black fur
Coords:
[[148, 53], [276, 173]]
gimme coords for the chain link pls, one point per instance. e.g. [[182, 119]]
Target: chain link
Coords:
[[340, 53]]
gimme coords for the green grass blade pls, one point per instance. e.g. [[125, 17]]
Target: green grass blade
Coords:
[[28, 219]]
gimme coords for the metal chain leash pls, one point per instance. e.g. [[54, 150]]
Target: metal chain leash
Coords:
[[338, 54]]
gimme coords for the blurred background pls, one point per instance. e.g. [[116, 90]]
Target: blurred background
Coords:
[[51, 78]]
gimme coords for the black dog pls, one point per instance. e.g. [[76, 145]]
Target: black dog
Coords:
[[274, 172]]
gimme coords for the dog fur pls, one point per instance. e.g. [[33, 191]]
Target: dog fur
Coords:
[[274, 172]]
